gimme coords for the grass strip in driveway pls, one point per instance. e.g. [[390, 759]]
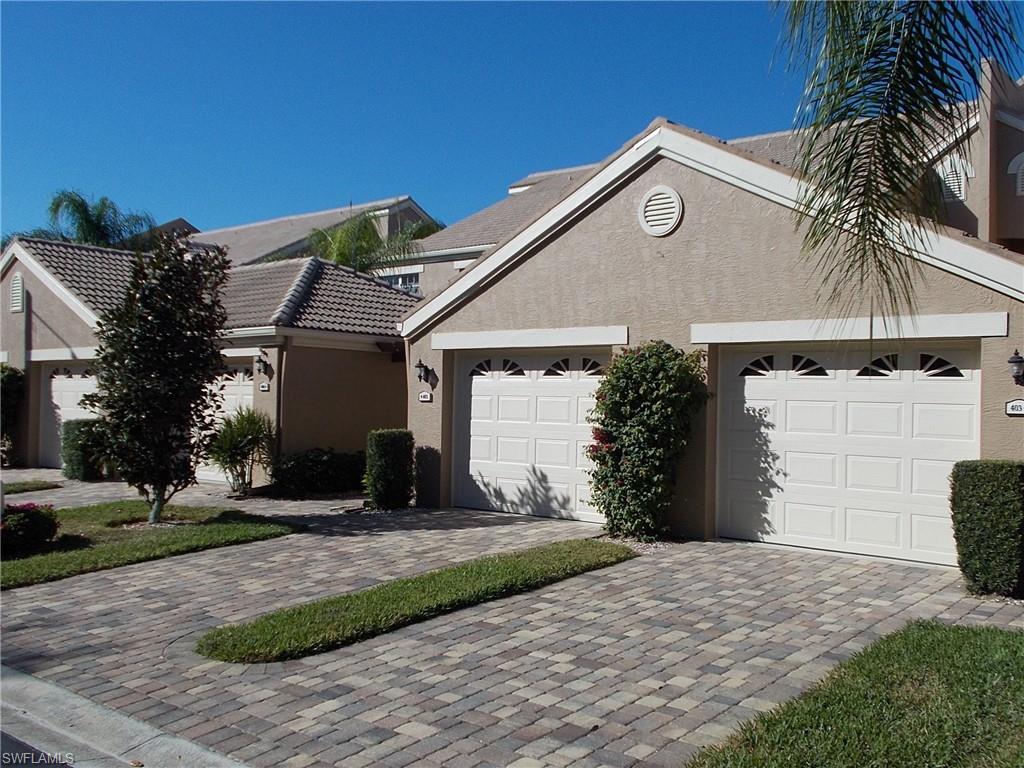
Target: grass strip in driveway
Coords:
[[928, 695], [95, 538], [25, 486], [304, 630]]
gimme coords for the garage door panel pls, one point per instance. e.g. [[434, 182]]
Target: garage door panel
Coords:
[[944, 421], [482, 408], [554, 410], [513, 450], [811, 469], [874, 473], [514, 409], [817, 522], [866, 450], [553, 453], [930, 477], [874, 527], [812, 417]]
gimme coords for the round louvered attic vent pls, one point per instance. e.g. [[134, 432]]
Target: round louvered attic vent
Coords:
[[661, 210]]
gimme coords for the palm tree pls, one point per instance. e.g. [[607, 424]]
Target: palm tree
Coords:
[[76, 219], [357, 242], [886, 82]]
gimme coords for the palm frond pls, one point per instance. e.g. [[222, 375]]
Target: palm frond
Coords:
[[887, 83]]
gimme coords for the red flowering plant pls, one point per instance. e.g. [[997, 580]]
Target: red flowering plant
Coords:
[[26, 528], [642, 417]]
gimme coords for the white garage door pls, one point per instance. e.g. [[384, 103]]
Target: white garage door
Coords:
[[521, 431], [846, 448], [237, 389], [62, 389]]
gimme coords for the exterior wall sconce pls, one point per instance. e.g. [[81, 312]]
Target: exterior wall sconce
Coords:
[[1017, 368], [262, 364], [422, 371]]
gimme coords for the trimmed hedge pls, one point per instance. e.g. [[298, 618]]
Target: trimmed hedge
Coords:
[[988, 522], [82, 449], [319, 470], [390, 468], [12, 392], [27, 528]]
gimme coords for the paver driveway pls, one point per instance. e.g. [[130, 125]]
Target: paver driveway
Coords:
[[636, 664]]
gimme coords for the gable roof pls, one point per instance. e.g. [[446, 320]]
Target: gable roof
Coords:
[[952, 251], [297, 293], [285, 235], [533, 194], [493, 224]]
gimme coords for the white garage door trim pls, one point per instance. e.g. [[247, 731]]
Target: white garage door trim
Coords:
[[520, 432], [857, 451]]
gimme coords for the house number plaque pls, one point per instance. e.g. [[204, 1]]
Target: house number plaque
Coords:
[[1015, 407]]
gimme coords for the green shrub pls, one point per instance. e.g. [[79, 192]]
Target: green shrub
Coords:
[[83, 450], [988, 522], [319, 470], [27, 528], [390, 473], [642, 417], [244, 441], [12, 392]]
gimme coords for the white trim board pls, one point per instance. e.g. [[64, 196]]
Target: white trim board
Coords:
[[412, 269], [949, 253], [17, 250], [61, 353], [463, 263], [3, 357], [591, 336], [853, 329]]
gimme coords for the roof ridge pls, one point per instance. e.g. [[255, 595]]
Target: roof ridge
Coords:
[[340, 209], [554, 171], [73, 244], [297, 292]]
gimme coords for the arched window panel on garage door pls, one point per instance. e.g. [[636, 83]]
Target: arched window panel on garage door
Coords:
[[511, 368], [936, 367], [483, 368], [807, 366], [591, 367], [882, 367], [558, 368], [760, 366]]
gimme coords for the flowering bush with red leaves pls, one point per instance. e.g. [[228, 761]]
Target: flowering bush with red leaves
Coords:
[[642, 418], [26, 528]]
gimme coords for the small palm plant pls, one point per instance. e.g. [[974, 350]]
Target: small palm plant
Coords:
[[357, 243], [244, 441]]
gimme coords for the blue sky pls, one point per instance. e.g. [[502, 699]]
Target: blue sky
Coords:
[[234, 112]]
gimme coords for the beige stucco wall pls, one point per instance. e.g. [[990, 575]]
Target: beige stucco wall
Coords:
[[735, 258], [436, 275], [332, 397]]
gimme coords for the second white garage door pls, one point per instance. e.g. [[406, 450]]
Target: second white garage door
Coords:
[[63, 387], [521, 431], [237, 390], [846, 448]]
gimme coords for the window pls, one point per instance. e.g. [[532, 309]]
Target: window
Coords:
[[17, 293], [1016, 169], [806, 366], [558, 368], [935, 367], [591, 368], [762, 366], [483, 368], [410, 283], [882, 367], [511, 368]]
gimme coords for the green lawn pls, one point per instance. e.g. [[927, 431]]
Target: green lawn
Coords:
[[928, 696], [303, 630], [93, 539], [24, 486]]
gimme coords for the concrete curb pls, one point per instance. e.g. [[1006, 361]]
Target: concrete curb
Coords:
[[46, 713]]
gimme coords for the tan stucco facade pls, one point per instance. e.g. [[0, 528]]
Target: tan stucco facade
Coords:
[[735, 257], [333, 397]]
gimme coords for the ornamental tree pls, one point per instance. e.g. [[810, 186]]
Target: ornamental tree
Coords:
[[642, 418], [157, 364]]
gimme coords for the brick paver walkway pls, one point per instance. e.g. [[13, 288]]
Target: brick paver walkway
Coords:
[[639, 664]]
